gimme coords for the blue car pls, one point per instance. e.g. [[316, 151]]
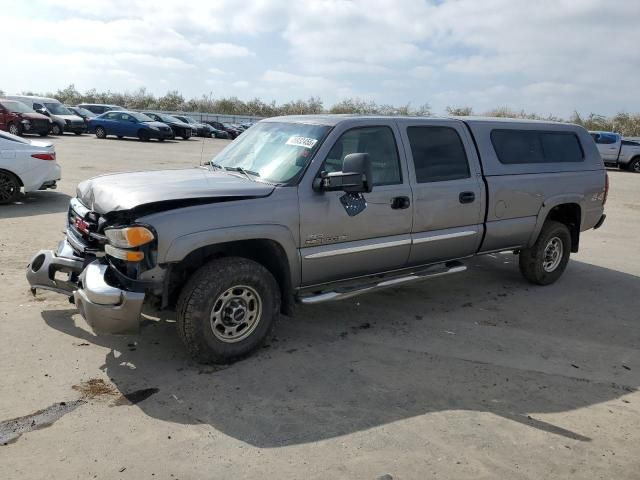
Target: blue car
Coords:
[[129, 124]]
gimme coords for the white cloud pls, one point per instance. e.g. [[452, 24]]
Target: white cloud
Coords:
[[215, 71], [240, 84], [223, 50]]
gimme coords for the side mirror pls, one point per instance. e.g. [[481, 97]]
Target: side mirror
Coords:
[[355, 177]]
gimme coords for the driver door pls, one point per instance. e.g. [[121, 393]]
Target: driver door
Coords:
[[337, 246]]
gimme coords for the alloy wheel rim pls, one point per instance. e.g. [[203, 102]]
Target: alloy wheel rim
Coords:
[[636, 166], [7, 187], [100, 132], [552, 254], [235, 314], [13, 129]]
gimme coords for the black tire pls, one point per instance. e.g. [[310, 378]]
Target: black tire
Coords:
[[161, 139], [542, 263], [9, 187], [144, 136], [78, 133], [56, 129], [186, 137], [14, 129], [120, 137], [203, 295], [43, 134], [634, 165], [101, 133]]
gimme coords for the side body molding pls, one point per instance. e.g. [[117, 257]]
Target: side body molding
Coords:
[[184, 245]]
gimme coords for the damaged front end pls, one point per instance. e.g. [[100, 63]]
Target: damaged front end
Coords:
[[101, 273]]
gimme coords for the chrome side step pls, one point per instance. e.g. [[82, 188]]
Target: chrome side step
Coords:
[[342, 293]]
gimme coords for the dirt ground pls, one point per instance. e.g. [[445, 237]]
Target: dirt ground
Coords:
[[479, 375]]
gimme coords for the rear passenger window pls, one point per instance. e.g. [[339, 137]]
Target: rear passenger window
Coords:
[[531, 146], [438, 154], [379, 143]]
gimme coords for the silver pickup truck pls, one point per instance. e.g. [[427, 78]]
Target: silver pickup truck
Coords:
[[617, 152], [316, 208]]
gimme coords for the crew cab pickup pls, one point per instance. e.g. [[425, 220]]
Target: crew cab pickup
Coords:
[[310, 209], [617, 152]]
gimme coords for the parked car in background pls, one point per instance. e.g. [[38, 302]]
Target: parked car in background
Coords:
[[27, 164], [83, 113], [201, 129], [180, 128], [218, 133], [617, 152], [129, 124], [100, 108], [232, 132], [62, 119], [322, 208], [17, 118]]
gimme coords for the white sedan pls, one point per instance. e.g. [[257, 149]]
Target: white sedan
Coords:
[[27, 164]]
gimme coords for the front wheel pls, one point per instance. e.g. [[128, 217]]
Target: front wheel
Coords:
[[144, 136], [55, 129], [9, 187], [546, 260], [227, 309], [14, 129]]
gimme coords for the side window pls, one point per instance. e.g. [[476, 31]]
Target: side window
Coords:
[[532, 146], [111, 116], [438, 154], [37, 106], [379, 143], [606, 139], [124, 117]]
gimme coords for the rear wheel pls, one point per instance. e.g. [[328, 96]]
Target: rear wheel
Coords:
[[546, 260], [634, 165], [14, 129], [9, 187], [227, 309], [101, 132]]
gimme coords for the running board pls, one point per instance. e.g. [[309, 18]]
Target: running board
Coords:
[[342, 293]]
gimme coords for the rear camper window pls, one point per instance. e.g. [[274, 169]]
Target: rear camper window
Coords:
[[533, 146]]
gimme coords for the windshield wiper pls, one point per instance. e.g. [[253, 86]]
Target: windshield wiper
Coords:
[[215, 165], [247, 173]]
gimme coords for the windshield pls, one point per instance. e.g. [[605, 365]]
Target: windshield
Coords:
[[84, 112], [57, 109], [141, 117], [167, 118], [274, 151], [17, 107]]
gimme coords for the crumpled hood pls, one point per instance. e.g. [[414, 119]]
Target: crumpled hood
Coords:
[[124, 191]]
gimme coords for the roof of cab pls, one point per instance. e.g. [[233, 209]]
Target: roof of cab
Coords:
[[334, 119]]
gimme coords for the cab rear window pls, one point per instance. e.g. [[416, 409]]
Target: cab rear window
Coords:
[[533, 146]]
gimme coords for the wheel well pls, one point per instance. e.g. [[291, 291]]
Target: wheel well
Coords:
[[15, 175], [570, 214], [268, 253]]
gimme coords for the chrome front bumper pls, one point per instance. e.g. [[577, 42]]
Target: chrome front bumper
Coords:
[[107, 309]]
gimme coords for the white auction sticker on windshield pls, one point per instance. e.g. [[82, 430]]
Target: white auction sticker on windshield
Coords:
[[302, 142]]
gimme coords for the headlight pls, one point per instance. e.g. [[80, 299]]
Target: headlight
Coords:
[[127, 255], [129, 237], [25, 122]]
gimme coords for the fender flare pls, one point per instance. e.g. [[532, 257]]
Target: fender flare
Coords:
[[551, 203], [182, 246]]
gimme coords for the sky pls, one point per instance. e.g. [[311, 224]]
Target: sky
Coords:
[[544, 56]]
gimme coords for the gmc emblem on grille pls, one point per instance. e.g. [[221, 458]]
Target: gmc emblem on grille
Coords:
[[81, 225]]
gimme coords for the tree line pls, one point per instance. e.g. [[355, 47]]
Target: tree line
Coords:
[[624, 123]]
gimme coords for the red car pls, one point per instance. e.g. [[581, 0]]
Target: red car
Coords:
[[17, 118]]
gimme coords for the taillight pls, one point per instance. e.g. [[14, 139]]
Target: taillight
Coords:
[[44, 156], [606, 188]]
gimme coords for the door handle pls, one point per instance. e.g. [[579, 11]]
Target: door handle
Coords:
[[467, 197], [400, 203]]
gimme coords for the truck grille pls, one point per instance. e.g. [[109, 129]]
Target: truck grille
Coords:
[[81, 224]]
